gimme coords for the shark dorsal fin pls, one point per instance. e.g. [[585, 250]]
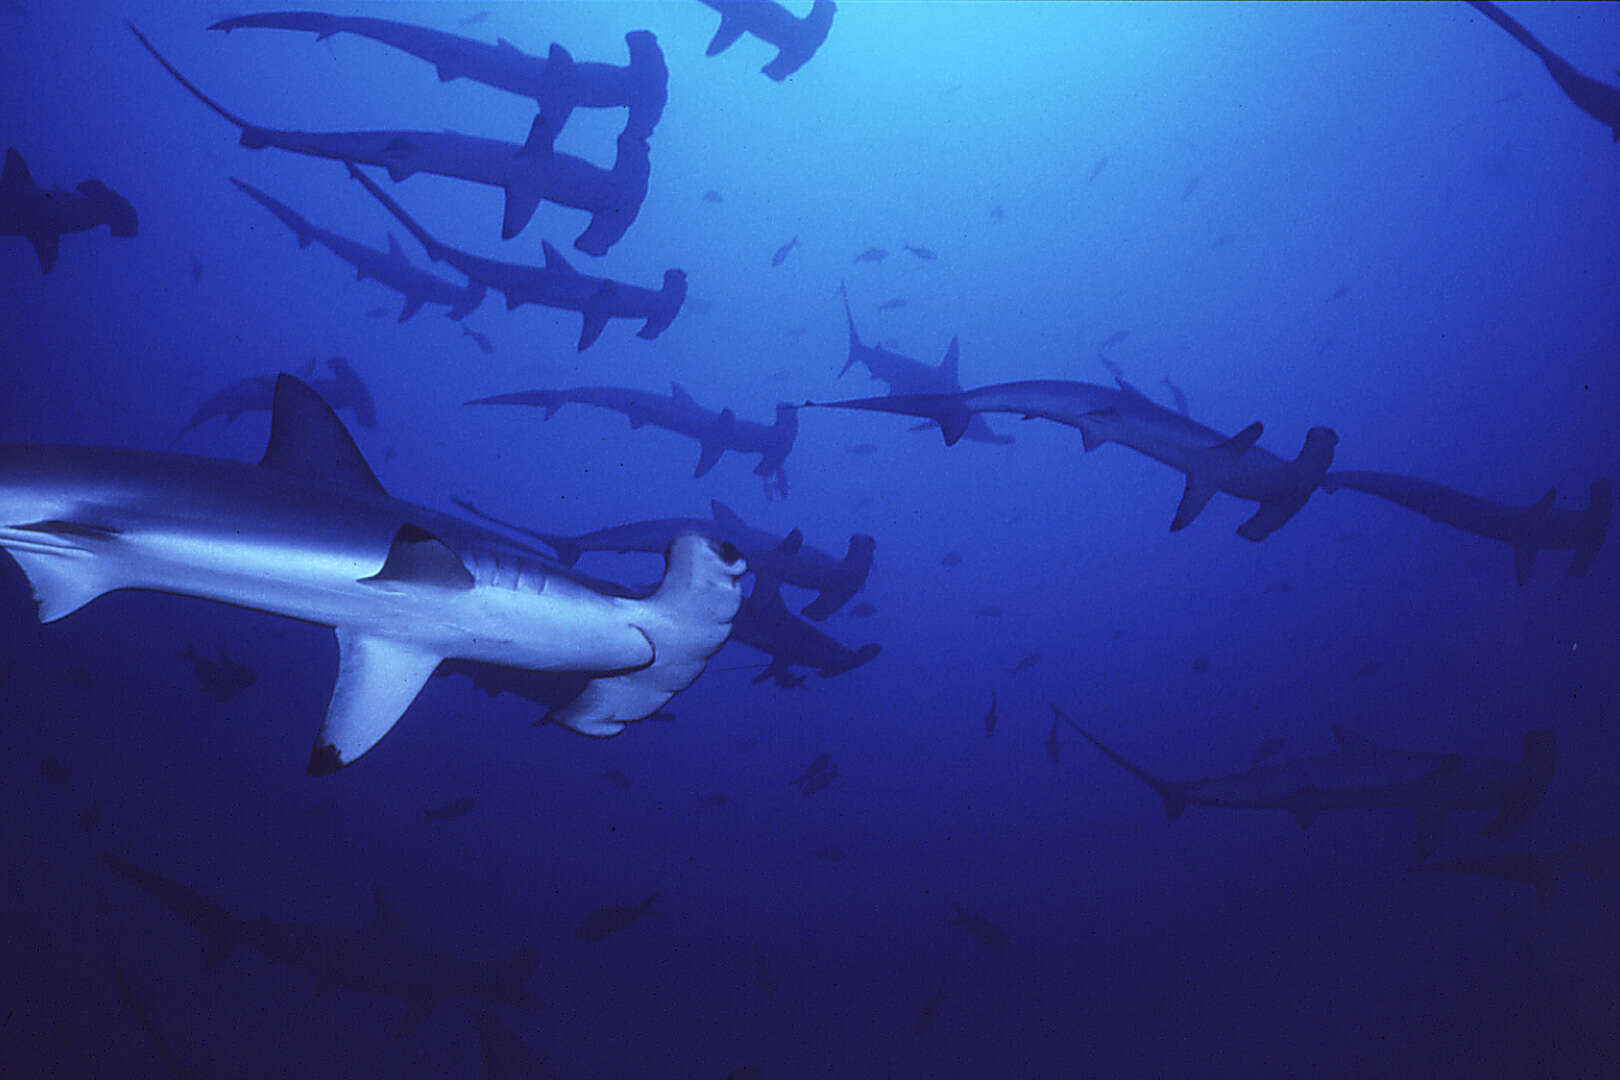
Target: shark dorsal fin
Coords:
[[554, 259], [395, 252], [678, 392], [307, 440], [725, 517], [1543, 506], [1351, 741], [417, 557], [949, 367], [1239, 444], [16, 178]]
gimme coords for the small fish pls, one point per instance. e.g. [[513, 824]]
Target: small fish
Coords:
[[1278, 587], [989, 611], [998, 213], [52, 769], [221, 679], [610, 919], [862, 610], [928, 1012], [1269, 749], [829, 853], [1052, 745], [950, 559], [990, 717], [617, 778], [782, 252], [872, 255], [481, 340], [455, 808], [1201, 664], [863, 449], [892, 305], [815, 769], [1097, 169], [1116, 338], [713, 196], [377, 313], [1192, 186], [922, 253], [983, 930], [1337, 294], [820, 782], [1029, 661], [1226, 239]]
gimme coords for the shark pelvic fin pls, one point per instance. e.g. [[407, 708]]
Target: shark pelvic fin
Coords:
[[377, 681], [1198, 492], [307, 440]]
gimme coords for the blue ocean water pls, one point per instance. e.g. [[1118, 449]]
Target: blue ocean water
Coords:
[[1383, 219]]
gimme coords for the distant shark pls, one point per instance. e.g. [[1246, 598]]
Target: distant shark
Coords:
[[555, 82], [796, 40], [42, 215], [310, 533], [907, 376], [527, 173], [390, 268], [1541, 871], [835, 580], [716, 432], [1596, 99], [1211, 461], [344, 390], [556, 284], [1361, 774], [764, 623], [1527, 530]]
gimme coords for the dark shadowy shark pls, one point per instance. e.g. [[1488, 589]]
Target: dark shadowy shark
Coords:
[[1527, 530], [716, 432], [527, 173], [41, 215], [907, 376], [1361, 774], [1211, 461], [344, 390], [796, 40], [1540, 870], [555, 82], [1596, 99], [835, 581], [390, 268], [379, 959], [764, 623], [556, 284]]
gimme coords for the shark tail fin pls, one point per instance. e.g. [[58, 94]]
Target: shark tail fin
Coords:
[[1173, 794], [1311, 468], [1536, 771], [666, 306], [686, 620], [853, 570], [1594, 525]]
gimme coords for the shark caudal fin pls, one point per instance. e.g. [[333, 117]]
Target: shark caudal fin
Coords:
[[686, 620], [1593, 527], [1310, 471], [1173, 794], [853, 570], [1535, 774], [667, 305]]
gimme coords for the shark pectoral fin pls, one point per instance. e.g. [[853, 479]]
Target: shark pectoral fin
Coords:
[[1305, 804], [1090, 437], [594, 318], [1268, 519], [413, 304], [1431, 827], [522, 198], [725, 36], [709, 453], [1524, 561], [377, 680], [45, 246], [1193, 500], [417, 557]]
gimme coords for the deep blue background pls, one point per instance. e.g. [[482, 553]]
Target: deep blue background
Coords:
[[1414, 153]]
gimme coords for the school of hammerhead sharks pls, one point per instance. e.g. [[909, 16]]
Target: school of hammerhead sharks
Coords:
[[309, 531]]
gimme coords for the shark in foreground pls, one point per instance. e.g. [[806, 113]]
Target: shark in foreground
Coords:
[[310, 533], [390, 268], [796, 39], [1540, 870], [555, 82], [554, 285], [1539, 527], [1596, 99], [1211, 461], [1361, 774], [41, 215], [716, 432]]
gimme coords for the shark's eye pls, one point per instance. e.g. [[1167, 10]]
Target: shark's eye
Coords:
[[728, 552]]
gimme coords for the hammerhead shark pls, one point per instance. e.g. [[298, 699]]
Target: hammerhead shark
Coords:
[[527, 173], [1540, 870], [390, 268], [1538, 527], [796, 40], [379, 959], [716, 432], [1211, 461], [555, 82], [556, 284], [764, 623], [344, 390], [1361, 774], [310, 533], [1596, 99], [907, 376], [41, 215]]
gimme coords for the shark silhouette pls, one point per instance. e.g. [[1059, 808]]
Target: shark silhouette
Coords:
[[310, 533], [555, 82], [1361, 774], [556, 284], [1540, 870], [344, 390], [834, 580], [527, 173], [764, 623], [42, 215], [716, 432], [390, 268], [1211, 461], [1527, 530], [796, 40], [1596, 99]]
